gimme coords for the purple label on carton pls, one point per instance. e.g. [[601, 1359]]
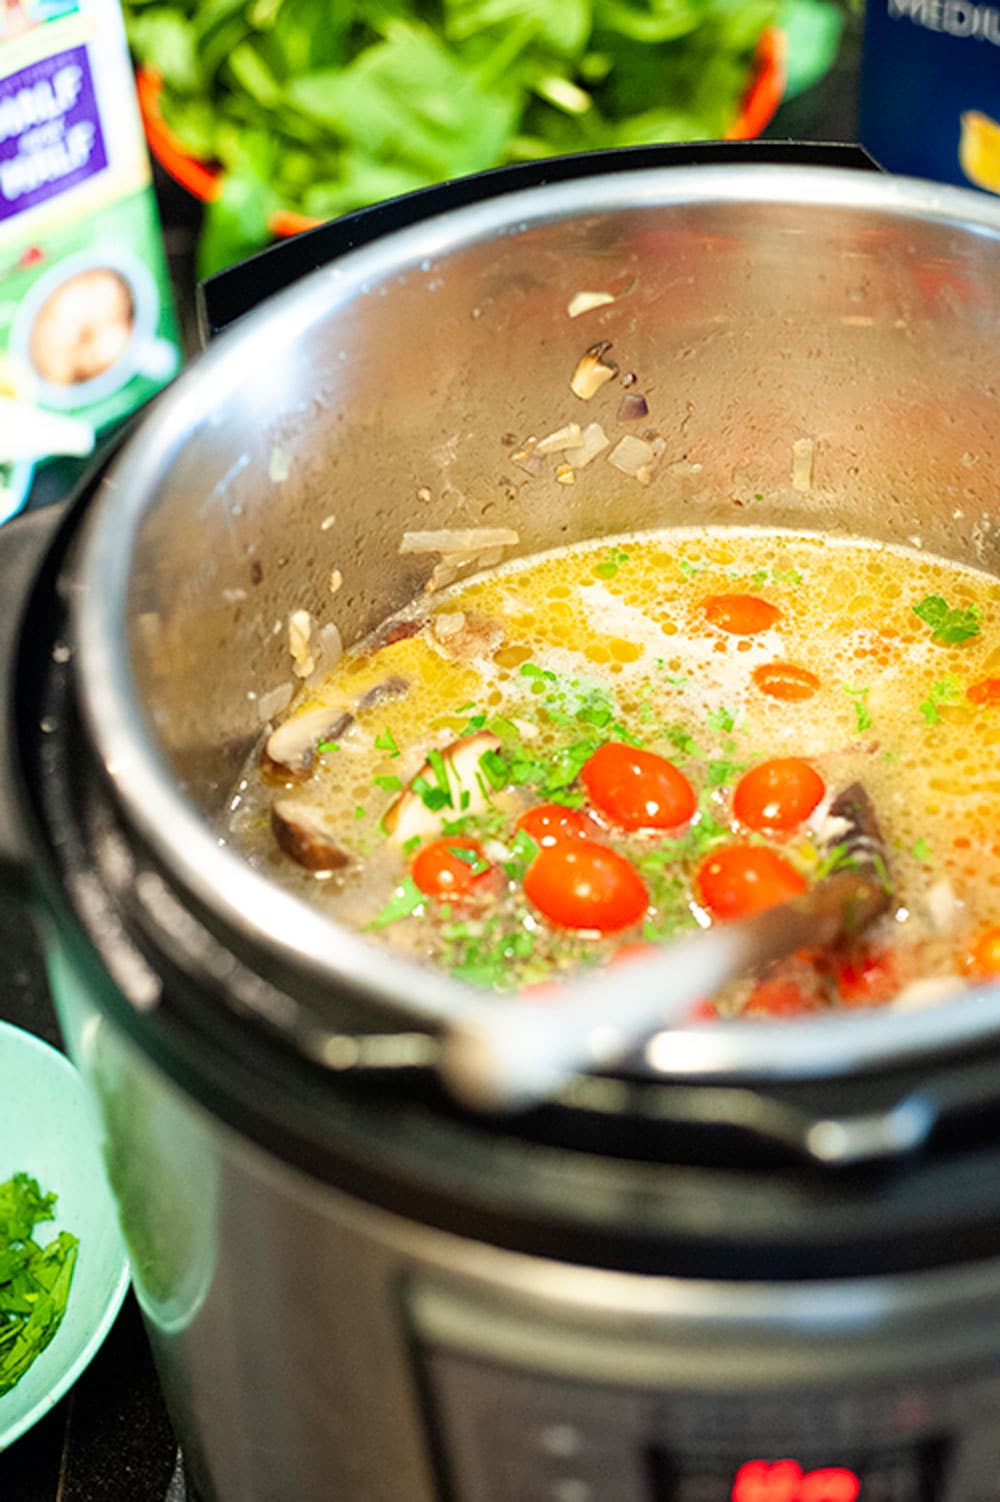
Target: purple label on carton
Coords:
[[50, 131]]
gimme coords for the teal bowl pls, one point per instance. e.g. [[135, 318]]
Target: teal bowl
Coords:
[[49, 1129]]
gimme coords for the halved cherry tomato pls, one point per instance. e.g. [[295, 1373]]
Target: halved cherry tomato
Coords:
[[777, 794], [867, 978], [551, 823], [580, 884], [742, 879], [637, 789], [779, 998], [984, 956], [986, 691], [440, 872], [742, 615], [785, 680]]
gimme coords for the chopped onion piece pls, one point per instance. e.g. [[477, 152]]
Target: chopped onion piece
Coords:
[[299, 635], [279, 465], [632, 407], [803, 452], [565, 475], [331, 645], [470, 540], [274, 701], [335, 581], [593, 372], [633, 456], [563, 438], [583, 302], [594, 441]]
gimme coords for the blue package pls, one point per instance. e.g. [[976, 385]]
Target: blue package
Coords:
[[930, 89]]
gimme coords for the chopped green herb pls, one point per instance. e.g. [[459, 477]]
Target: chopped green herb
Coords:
[[404, 902], [721, 719], [690, 569], [386, 742], [681, 740], [411, 846], [495, 768], [325, 746], [645, 711], [433, 798], [676, 680], [608, 568], [523, 851], [475, 722], [532, 670], [945, 691], [389, 784], [34, 1280], [863, 718], [359, 812], [471, 858], [505, 729], [922, 850], [721, 772], [949, 625]]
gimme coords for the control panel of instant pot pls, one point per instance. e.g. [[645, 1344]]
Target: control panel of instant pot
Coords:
[[507, 1435]]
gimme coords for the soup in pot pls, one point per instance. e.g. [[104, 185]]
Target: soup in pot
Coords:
[[590, 751]]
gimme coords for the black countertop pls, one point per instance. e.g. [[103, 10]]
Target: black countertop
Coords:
[[110, 1440]]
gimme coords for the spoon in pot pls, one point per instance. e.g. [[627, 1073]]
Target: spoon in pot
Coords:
[[512, 1055]]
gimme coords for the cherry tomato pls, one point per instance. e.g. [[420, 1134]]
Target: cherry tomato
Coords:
[[741, 615], [984, 956], [742, 879], [779, 998], [867, 978], [986, 691], [784, 680], [637, 789], [580, 884], [551, 824], [439, 872], [777, 794]]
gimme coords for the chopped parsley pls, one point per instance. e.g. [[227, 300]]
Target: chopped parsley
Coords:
[[359, 812], [34, 1280], [689, 569], [325, 746], [471, 858], [922, 851], [404, 902], [411, 846], [387, 742], [608, 567], [949, 625], [862, 715], [388, 784], [721, 719], [944, 691]]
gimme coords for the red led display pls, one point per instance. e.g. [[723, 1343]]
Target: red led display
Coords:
[[785, 1481]]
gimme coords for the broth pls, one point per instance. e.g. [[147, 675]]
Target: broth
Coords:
[[715, 651]]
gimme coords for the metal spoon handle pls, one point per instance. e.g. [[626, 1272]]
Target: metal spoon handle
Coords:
[[511, 1055]]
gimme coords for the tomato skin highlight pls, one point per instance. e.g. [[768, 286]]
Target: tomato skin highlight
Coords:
[[984, 956], [785, 681], [552, 823], [777, 794], [740, 880], [868, 978], [740, 615], [439, 873], [637, 789], [986, 691], [582, 885]]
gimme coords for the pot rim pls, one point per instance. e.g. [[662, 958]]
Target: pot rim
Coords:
[[253, 906]]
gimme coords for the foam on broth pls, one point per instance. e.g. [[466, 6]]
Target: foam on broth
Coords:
[[614, 634]]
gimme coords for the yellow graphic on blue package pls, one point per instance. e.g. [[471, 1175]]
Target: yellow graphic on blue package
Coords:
[[979, 150]]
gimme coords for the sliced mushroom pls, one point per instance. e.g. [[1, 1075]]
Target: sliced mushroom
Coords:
[[465, 634], [289, 751], [408, 815], [303, 833], [393, 687], [593, 371]]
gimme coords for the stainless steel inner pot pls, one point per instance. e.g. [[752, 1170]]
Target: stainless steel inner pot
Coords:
[[820, 350]]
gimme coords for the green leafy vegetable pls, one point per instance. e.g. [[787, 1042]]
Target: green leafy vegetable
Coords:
[[949, 626], [862, 715], [387, 742], [322, 108], [944, 691], [922, 850], [405, 901], [34, 1280], [609, 566]]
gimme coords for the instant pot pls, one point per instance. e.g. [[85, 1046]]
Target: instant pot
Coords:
[[761, 1263]]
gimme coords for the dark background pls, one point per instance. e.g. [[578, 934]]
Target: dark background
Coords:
[[110, 1440]]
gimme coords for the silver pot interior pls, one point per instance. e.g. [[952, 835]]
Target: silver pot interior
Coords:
[[770, 312]]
